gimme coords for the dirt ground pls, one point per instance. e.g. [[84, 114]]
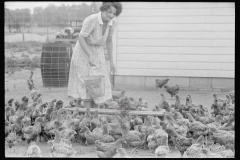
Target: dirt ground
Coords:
[[16, 87]]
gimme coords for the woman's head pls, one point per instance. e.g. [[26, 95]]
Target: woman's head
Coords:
[[111, 9]]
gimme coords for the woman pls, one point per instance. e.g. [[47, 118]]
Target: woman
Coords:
[[88, 55]]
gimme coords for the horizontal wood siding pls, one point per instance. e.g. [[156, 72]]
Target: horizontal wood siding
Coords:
[[189, 39]]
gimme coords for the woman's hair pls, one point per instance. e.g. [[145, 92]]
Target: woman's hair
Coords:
[[106, 5]]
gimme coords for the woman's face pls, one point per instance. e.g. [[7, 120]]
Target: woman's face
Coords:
[[109, 14]]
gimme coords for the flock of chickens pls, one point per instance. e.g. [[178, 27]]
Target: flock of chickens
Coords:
[[187, 127]]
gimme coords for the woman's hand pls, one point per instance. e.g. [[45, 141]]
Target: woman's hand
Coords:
[[99, 42], [112, 68]]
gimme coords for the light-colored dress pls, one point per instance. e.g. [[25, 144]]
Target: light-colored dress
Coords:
[[80, 68]]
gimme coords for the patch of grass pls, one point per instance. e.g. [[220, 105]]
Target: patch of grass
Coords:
[[26, 61], [24, 45]]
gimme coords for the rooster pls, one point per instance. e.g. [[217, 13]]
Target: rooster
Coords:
[[160, 83], [172, 90]]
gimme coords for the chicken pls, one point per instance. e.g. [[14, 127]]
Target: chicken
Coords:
[[98, 129], [133, 138], [23, 106], [91, 137], [196, 128], [203, 110], [105, 137], [162, 150], [204, 120], [67, 135], [147, 127], [156, 123], [7, 127], [26, 121], [9, 111], [75, 113], [182, 143], [17, 105], [123, 153], [34, 150], [111, 104], [137, 121], [87, 119], [10, 102], [160, 83], [38, 99], [222, 137], [36, 113], [160, 103], [189, 103], [30, 82], [54, 123], [42, 107], [151, 142], [227, 153], [33, 132], [49, 110], [229, 125], [179, 120], [12, 140], [172, 90], [124, 103], [133, 103], [177, 104], [94, 121], [166, 106], [232, 95], [17, 126], [108, 150], [195, 150], [61, 149], [76, 103], [141, 104], [180, 129], [217, 122], [221, 154], [119, 95], [59, 105], [30, 110], [220, 100], [225, 111], [216, 108]]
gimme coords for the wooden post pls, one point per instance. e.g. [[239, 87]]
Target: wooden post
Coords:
[[47, 34]]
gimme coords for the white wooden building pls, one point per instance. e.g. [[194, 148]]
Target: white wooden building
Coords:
[[191, 43]]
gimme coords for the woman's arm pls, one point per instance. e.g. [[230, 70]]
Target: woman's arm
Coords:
[[83, 44], [109, 46]]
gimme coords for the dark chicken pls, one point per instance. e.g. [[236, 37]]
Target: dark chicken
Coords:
[[172, 90], [160, 83]]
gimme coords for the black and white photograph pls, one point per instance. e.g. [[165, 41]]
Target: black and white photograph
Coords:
[[86, 79]]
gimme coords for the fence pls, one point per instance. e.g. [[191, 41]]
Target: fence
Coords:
[[30, 45]]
